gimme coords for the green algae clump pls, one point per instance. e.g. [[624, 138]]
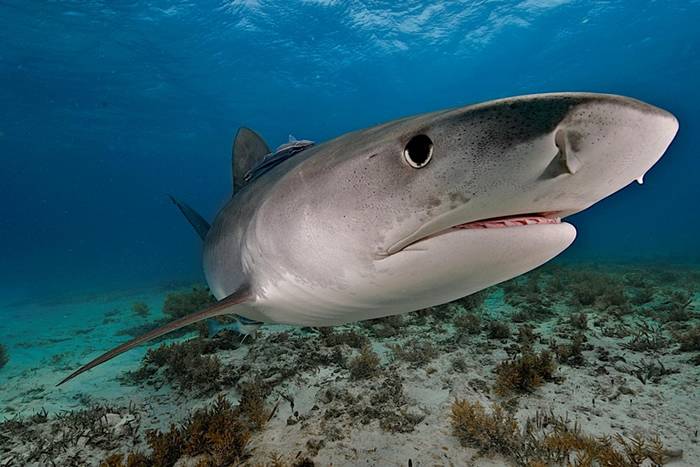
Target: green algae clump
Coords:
[[134, 459], [495, 432], [497, 330], [180, 304], [365, 365], [140, 309], [689, 341], [219, 433], [524, 373], [469, 323], [547, 439], [184, 364]]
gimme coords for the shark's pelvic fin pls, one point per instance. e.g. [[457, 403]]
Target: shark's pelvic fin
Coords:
[[248, 149], [221, 307], [242, 325], [196, 221]]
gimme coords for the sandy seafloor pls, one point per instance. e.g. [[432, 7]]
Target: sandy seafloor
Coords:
[[339, 421]]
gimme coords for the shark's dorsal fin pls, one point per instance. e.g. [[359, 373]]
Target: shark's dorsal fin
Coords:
[[198, 223], [248, 149], [224, 306]]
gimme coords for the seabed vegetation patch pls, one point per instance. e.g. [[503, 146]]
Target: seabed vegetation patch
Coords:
[[563, 366]]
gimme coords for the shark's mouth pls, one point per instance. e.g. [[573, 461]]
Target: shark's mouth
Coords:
[[511, 221], [517, 220]]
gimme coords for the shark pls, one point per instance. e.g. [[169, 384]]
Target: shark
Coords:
[[415, 212]]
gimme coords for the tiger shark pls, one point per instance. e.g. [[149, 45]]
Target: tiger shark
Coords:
[[415, 212]]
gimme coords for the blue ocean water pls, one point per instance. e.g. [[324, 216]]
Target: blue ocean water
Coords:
[[109, 106]]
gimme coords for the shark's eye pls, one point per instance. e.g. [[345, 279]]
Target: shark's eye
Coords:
[[418, 151]]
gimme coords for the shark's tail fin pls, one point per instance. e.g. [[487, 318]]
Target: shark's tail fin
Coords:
[[221, 307], [200, 225]]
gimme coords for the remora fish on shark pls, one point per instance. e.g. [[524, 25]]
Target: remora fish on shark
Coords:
[[415, 212]]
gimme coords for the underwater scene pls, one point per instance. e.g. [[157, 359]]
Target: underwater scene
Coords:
[[346, 233]]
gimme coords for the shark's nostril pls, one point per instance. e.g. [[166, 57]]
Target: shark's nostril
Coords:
[[567, 143]]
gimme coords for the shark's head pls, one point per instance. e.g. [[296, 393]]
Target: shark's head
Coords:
[[426, 209], [536, 158]]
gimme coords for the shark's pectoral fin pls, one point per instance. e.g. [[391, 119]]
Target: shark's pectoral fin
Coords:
[[200, 225], [225, 306], [248, 149]]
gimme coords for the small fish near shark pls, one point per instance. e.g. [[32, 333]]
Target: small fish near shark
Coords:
[[416, 212]]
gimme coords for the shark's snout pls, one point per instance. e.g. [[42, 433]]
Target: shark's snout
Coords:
[[603, 144], [614, 131]]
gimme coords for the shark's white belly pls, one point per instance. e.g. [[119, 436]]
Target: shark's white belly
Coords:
[[430, 272]]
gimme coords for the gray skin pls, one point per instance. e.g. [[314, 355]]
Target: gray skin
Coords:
[[349, 230], [338, 233]]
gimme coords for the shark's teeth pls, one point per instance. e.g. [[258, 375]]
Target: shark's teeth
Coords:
[[509, 222]]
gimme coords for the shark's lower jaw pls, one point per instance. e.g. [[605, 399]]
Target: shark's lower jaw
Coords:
[[518, 220]]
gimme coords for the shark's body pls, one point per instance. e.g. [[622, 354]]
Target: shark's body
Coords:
[[418, 211]]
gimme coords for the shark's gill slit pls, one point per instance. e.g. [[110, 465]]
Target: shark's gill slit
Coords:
[[418, 151]]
